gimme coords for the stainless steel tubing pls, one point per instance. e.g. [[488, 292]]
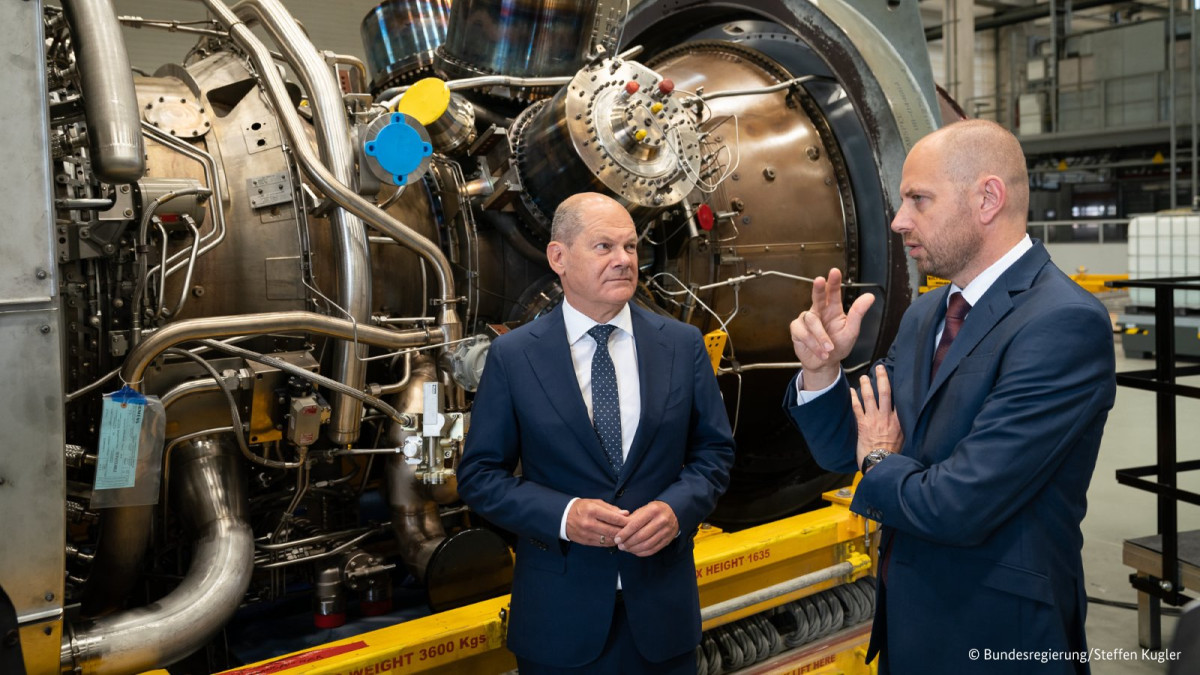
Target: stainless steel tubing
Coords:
[[259, 324], [415, 517], [333, 188], [216, 204], [109, 99], [317, 173], [782, 588], [353, 255], [212, 498]]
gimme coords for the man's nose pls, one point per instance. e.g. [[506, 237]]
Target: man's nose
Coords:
[[901, 223]]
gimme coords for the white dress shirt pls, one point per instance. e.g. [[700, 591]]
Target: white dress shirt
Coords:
[[622, 349], [973, 293]]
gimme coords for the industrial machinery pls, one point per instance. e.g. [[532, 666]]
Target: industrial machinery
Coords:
[[245, 316]]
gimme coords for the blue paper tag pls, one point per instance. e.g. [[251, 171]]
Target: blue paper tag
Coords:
[[120, 431]]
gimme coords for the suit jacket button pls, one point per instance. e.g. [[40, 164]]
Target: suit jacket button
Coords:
[[621, 492]]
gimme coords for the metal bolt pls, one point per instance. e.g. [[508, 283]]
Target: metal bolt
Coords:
[[813, 152], [844, 492], [198, 291], [128, 213], [769, 173], [736, 177], [1165, 585], [41, 274], [124, 189], [49, 596], [109, 248], [746, 220], [45, 328]]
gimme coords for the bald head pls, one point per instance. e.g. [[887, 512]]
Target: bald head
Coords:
[[574, 212], [969, 150]]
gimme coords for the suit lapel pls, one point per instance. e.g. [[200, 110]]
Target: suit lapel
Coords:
[[992, 307], [655, 357], [550, 359], [925, 347]]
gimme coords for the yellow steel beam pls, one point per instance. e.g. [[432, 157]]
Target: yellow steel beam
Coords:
[[728, 565]]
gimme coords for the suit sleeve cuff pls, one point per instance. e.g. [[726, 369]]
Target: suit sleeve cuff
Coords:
[[562, 527], [803, 396]]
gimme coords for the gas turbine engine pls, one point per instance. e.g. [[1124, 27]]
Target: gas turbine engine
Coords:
[[247, 314]]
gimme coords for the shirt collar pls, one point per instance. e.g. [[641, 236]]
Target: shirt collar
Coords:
[[578, 323], [980, 284]]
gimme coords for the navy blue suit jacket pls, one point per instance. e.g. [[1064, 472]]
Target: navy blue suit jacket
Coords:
[[529, 409], [982, 506]]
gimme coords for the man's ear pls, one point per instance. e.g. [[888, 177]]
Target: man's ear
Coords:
[[994, 196], [555, 252]]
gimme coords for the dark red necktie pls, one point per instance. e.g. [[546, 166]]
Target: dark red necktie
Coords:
[[955, 314]]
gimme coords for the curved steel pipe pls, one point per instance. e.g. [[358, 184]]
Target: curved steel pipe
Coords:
[[109, 99], [353, 255], [318, 174], [415, 517], [213, 500], [259, 324]]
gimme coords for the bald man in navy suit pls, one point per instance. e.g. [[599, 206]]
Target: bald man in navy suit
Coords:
[[978, 450], [615, 417]]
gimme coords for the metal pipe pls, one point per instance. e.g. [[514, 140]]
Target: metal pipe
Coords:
[[857, 561], [333, 188], [1174, 162], [1195, 84], [354, 62], [260, 324], [352, 254], [109, 98], [213, 500], [83, 203], [216, 204], [415, 516]]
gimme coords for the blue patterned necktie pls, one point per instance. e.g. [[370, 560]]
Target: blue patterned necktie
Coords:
[[606, 405]]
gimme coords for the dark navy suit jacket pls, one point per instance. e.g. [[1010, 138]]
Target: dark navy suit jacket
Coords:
[[529, 409], [982, 507]]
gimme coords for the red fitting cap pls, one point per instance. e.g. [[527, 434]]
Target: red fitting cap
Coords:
[[329, 620], [632, 87], [666, 86], [704, 217]]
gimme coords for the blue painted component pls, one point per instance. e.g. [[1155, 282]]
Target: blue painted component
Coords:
[[398, 148]]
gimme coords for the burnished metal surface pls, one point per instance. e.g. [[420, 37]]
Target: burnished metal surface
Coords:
[[352, 255], [616, 128], [400, 37], [526, 37], [787, 193], [107, 83], [32, 480]]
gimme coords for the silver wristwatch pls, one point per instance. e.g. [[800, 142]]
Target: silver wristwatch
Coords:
[[873, 457]]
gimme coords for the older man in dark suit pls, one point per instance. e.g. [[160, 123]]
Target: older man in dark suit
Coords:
[[615, 417], [1001, 383]]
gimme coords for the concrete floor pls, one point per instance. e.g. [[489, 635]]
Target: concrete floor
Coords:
[[1117, 512]]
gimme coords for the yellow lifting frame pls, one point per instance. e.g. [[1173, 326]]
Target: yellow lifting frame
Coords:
[[728, 565]]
